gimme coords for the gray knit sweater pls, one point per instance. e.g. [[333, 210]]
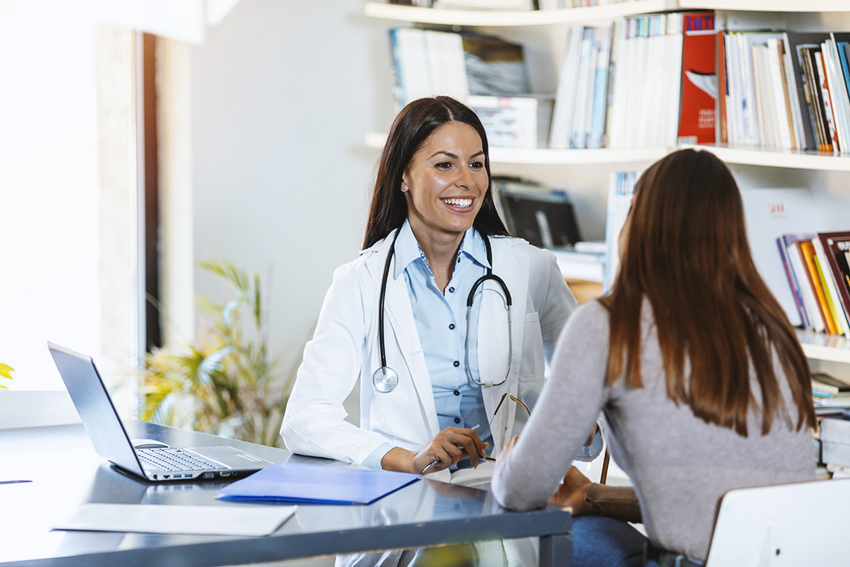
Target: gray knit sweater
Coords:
[[680, 465]]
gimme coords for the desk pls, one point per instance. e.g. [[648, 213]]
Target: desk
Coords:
[[66, 472]]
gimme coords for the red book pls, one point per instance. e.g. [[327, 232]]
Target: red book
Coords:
[[699, 79]]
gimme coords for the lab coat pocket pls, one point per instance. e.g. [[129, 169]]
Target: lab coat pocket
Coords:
[[532, 365]]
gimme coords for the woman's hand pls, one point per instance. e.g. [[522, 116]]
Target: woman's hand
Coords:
[[573, 493], [451, 445], [507, 448]]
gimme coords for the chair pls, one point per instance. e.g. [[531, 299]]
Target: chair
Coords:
[[800, 524]]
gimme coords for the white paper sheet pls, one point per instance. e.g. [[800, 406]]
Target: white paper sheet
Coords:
[[242, 520]]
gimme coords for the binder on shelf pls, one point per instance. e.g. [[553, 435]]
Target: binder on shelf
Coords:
[[295, 482]]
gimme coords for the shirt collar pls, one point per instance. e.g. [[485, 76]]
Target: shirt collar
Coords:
[[407, 249]]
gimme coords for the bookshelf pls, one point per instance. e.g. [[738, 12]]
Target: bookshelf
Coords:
[[760, 157], [543, 32], [575, 16]]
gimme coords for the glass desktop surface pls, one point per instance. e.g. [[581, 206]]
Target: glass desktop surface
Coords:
[[66, 471]]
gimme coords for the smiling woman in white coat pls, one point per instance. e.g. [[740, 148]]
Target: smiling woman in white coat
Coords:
[[456, 385]]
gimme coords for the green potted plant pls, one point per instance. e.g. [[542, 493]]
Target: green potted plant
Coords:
[[226, 382]]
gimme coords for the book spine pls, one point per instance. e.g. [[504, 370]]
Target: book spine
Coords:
[[806, 289], [698, 79], [721, 133], [792, 281], [808, 252], [835, 278], [833, 311], [827, 101]]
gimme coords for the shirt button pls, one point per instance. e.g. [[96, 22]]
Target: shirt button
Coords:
[[456, 363], [451, 290], [457, 420], [452, 327], [457, 392]]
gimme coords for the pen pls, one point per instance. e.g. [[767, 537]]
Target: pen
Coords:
[[13, 481], [433, 464]]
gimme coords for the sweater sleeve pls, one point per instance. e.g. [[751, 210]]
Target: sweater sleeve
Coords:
[[569, 403]]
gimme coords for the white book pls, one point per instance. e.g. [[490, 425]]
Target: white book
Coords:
[[752, 137], [778, 90], [809, 300], [634, 119], [839, 89], [583, 85], [732, 101], [841, 321], [655, 50], [658, 75], [676, 42], [559, 136], [793, 97], [415, 69], [622, 85], [446, 65]]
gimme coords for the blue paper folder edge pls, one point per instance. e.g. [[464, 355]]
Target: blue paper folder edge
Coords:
[[303, 483]]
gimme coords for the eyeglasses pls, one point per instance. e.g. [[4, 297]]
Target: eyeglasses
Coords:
[[517, 400]]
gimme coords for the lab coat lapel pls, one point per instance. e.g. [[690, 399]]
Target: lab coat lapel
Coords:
[[492, 339], [400, 328], [403, 326]]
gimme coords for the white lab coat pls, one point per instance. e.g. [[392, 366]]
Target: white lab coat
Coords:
[[345, 347]]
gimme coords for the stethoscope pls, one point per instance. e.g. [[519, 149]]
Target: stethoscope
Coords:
[[385, 378]]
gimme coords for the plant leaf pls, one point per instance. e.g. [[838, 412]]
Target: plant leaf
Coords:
[[5, 371]]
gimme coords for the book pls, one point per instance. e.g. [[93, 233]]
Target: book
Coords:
[[830, 291], [494, 66], [807, 249], [771, 213], [621, 189], [829, 115], [835, 246], [801, 275], [699, 89], [795, 42], [828, 384], [783, 242]]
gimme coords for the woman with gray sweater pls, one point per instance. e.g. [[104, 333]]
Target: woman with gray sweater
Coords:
[[693, 362]]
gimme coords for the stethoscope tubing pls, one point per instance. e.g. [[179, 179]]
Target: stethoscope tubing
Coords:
[[384, 370]]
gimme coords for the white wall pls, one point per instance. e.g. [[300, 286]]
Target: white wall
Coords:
[[283, 93]]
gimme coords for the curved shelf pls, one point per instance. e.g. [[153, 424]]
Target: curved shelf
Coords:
[[494, 18], [515, 18], [820, 346], [744, 156], [768, 5], [790, 159], [542, 156]]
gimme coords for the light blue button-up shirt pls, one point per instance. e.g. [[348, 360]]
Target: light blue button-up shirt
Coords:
[[441, 323]]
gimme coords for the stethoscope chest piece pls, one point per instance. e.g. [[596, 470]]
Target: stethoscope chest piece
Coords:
[[385, 379]]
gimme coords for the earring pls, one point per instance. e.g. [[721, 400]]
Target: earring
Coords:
[[404, 188]]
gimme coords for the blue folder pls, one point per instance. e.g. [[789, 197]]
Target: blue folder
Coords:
[[293, 482]]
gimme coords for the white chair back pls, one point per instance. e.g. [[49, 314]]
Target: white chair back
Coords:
[[806, 523]]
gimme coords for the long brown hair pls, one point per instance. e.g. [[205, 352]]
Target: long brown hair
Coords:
[[686, 252], [411, 128]]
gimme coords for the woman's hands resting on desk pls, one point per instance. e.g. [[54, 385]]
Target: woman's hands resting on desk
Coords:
[[451, 445]]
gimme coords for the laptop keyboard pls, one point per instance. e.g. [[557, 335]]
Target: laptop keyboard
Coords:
[[176, 460]]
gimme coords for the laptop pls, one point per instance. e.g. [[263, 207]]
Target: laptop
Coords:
[[158, 462]]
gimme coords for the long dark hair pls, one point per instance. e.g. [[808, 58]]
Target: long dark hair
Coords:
[[411, 128], [686, 252]]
